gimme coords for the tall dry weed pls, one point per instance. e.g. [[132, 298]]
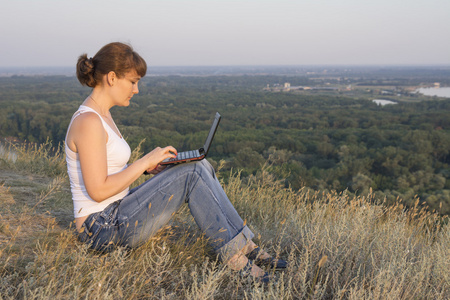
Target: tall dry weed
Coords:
[[46, 159]]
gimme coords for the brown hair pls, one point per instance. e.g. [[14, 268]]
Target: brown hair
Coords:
[[117, 57]]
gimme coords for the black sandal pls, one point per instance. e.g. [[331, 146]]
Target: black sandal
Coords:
[[246, 272], [276, 263]]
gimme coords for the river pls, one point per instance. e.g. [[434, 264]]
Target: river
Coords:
[[439, 92]]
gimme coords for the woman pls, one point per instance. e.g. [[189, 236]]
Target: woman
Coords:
[[107, 213]]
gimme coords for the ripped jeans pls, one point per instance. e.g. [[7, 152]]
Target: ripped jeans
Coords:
[[132, 221]]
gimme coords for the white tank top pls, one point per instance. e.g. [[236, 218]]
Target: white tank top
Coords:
[[117, 154]]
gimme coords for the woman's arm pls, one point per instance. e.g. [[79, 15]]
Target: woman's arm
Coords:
[[89, 138]]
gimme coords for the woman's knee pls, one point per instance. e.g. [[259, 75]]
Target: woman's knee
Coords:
[[199, 167], [202, 168], [205, 165]]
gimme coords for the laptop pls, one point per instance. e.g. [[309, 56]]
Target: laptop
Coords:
[[194, 155]]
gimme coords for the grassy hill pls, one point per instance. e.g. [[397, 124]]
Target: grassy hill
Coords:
[[339, 247]]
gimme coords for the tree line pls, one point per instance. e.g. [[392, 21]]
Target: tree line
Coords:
[[321, 142]]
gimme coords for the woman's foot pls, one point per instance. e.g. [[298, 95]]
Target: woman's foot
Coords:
[[262, 258], [246, 267]]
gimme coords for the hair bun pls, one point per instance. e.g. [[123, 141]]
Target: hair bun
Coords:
[[85, 70]]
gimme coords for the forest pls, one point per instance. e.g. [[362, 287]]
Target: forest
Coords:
[[320, 140]]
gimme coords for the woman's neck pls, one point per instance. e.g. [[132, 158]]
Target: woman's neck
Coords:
[[96, 102]]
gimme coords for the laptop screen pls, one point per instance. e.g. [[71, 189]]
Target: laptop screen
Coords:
[[212, 131]]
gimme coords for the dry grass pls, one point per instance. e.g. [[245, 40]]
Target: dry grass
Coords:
[[338, 247]]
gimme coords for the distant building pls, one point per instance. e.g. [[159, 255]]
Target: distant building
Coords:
[[287, 86]]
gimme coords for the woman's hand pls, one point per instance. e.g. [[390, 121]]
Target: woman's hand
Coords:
[[156, 156], [156, 170]]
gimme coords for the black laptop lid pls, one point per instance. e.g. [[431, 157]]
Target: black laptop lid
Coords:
[[212, 132]]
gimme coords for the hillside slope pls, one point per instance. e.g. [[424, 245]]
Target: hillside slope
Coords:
[[338, 247]]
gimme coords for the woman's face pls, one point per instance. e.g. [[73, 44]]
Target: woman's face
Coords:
[[125, 88]]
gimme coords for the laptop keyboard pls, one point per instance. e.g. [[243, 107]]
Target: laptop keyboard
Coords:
[[185, 155]]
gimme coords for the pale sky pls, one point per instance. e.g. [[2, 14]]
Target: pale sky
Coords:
[[228, 32]]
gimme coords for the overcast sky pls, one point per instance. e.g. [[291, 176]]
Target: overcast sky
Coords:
[[228, 32]]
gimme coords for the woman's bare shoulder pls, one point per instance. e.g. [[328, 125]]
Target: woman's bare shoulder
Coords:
[[87, 120], [85, 128]]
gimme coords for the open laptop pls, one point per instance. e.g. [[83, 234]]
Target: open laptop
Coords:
[[199, 154]]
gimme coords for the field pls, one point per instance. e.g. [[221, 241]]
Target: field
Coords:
[[339, 246]]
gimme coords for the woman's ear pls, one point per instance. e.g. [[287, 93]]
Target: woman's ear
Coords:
[[111, 78]]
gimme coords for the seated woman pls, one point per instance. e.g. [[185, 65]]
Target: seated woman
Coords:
[[107, 212]]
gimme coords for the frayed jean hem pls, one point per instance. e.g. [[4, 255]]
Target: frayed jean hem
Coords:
[[236, 244]]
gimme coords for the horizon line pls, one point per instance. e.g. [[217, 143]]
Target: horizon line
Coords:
[[255, 65]]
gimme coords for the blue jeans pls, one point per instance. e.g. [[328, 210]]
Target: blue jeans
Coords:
[[130, 222]]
